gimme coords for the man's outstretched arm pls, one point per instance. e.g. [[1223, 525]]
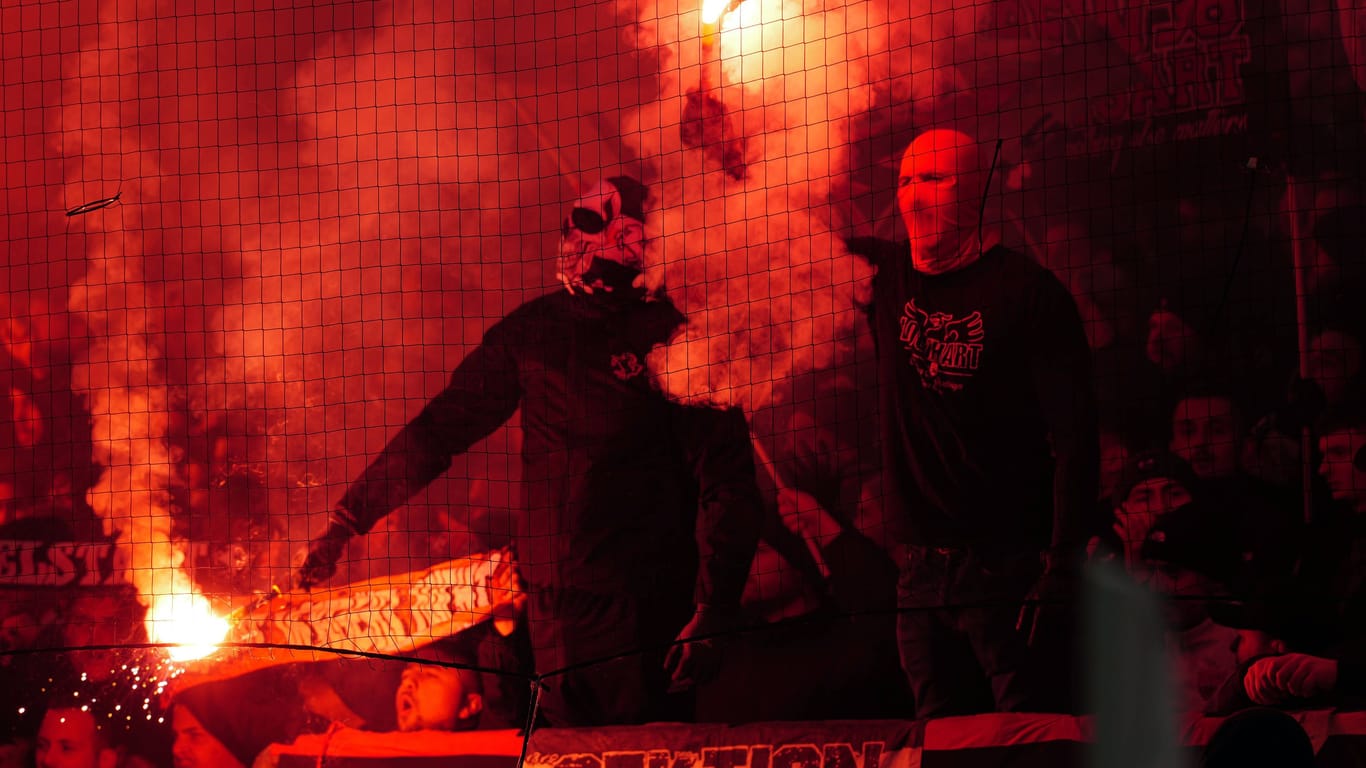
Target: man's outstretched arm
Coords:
[[483, 393]]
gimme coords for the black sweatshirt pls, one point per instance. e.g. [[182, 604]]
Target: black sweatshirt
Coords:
[[622, 490], [989, 434]]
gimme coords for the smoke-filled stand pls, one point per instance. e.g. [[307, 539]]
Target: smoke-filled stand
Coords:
[[641, 384]]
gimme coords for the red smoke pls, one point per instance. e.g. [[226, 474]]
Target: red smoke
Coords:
[[319, 210]]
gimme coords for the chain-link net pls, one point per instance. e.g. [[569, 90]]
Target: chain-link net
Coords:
[[376, 368]]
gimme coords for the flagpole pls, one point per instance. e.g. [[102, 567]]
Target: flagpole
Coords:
[[766, 460], [1302, 339]]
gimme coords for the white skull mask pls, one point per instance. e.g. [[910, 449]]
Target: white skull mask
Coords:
[[605, 223]]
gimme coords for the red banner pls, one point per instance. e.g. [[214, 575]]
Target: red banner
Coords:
[[391, 616]]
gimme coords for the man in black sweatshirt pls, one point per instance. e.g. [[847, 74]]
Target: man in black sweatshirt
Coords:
[[990, 445], [640, 516]]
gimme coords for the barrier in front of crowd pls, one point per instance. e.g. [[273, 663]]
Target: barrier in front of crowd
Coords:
[[982, 741]]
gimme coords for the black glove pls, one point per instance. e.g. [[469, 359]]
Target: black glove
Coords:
[[324, 553]]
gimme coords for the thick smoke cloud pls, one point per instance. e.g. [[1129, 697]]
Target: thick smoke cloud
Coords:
[[130, 411], [319, 211], [121, 372], [757, 263]]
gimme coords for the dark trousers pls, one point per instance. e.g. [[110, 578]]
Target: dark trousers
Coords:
[[962, 648], [821, 666], [601, 657]]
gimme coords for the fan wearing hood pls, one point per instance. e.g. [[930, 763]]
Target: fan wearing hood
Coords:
[[639, 516]]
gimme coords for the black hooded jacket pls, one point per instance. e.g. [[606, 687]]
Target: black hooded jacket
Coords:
[[622, 490]]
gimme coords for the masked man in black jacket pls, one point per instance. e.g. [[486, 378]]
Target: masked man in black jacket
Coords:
[[989, 436], [639, 518]]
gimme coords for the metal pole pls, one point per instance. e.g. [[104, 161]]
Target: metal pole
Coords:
[[1302, 340], [766, 461]]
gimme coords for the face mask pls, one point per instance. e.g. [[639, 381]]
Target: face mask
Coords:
[[613, 277], [940, 194], [602, 244]]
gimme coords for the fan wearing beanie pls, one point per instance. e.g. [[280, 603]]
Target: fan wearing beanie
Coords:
[[1186, 558]]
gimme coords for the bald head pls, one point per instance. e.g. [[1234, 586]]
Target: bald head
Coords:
[[939, 192], [948, 147]]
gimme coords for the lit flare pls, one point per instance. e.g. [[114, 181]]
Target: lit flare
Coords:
[[713, 10], [187, 624]]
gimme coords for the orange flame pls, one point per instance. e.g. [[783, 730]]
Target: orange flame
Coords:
[[713, 10], [186, 622]]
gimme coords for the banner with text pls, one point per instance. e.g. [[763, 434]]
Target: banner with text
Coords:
[[393, 615], [25, 563], [981, 741], [390, 615]]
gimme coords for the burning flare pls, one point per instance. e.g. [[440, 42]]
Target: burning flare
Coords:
[[187, 622], [713, 10]]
